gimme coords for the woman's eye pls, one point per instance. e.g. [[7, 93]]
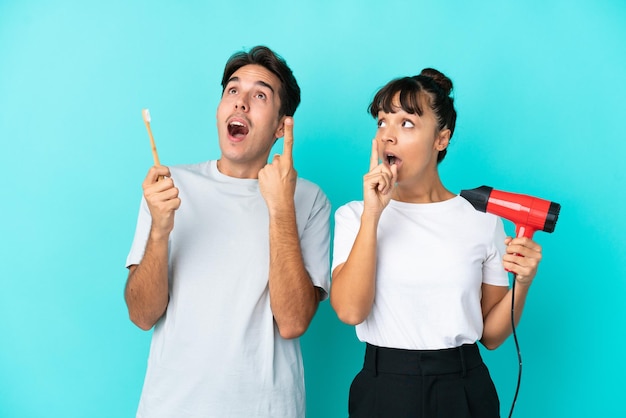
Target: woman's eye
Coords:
[[381, 123], [407, 124]]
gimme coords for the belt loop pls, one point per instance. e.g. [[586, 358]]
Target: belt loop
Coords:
[[375, 355], [463, 366]]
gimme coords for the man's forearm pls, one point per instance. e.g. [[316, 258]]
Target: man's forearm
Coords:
[[147, 292], [293, 297]]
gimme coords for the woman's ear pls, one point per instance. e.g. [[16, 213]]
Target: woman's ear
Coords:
[[443, 139]]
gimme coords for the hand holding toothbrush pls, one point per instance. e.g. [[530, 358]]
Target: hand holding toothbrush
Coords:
[[159, 191]]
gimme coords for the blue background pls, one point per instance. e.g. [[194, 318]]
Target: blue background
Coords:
[[540, 95]]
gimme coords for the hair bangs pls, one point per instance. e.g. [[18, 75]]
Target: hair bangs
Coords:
[[402, 93]]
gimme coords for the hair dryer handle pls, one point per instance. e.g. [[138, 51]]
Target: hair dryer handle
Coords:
[[524, 231]]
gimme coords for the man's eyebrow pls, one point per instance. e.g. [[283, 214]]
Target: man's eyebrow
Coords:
[[259, 82], [264, 84]]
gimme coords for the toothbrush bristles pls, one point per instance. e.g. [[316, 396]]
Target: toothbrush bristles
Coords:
[[146, 118]]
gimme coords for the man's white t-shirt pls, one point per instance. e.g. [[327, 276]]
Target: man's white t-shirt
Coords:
[[217, 351]]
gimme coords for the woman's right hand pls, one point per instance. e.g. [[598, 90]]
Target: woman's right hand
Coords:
[[378, 184]]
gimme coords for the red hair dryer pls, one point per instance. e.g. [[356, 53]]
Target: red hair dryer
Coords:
[[529, 214]]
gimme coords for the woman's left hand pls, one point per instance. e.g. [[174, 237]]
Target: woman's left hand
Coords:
[[522, 258]]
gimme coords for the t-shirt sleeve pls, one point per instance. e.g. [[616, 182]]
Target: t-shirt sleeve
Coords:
[[347, 223], [138, 247], [315, 243], [493, 270]]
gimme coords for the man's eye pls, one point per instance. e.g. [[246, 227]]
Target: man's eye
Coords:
[[261, 96], [232, 90]]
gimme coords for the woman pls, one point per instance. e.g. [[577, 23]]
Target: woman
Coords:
[[419, 271]]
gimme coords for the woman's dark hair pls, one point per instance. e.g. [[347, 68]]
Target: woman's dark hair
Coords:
[[261, 55], [431, 87]]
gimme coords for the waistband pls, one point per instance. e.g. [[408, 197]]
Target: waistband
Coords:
[[422, 362]]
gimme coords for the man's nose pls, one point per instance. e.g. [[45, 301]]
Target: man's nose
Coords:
[[242, 104]]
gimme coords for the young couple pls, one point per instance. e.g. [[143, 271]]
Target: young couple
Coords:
[[230, 261]]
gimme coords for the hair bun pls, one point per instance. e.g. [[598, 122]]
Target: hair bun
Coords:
[[439, 78]]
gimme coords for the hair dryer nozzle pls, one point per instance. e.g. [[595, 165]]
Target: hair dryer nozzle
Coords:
[[478, 197]]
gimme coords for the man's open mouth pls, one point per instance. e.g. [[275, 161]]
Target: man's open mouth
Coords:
[[238, 129]]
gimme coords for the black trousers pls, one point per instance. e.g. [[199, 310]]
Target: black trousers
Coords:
[[450, 383]]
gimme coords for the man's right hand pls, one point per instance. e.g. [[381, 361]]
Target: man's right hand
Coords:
[[162, 198]]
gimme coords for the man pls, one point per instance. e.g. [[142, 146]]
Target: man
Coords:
[[230, 260]]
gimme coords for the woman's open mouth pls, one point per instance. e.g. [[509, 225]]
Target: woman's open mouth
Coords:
[[392, 159]]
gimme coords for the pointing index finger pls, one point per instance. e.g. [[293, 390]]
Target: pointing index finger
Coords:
[[374, 156], [288, 138]]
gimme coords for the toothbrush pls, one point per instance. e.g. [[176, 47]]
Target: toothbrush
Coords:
[[146, 118]]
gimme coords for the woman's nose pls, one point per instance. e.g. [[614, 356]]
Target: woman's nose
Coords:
[[388, 135]]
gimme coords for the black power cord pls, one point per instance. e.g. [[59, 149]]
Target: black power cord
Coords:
[[519, 353]]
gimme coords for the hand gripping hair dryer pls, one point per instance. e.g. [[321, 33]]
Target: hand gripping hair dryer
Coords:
[[529, 214]]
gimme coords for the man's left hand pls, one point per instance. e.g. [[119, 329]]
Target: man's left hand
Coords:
[[277, 180]]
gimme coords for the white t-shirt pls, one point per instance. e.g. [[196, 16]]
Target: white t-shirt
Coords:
[[217, 351], [432, 260]]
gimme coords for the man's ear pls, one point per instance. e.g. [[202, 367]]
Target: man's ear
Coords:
[[443, 140], [280, 130]]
